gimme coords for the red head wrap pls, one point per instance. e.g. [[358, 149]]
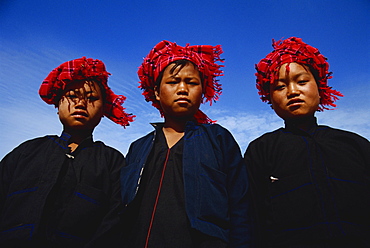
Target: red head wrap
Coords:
[[295, 50], [54, 84], [203, 56]]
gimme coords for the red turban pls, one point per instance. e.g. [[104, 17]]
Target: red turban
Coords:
[[295, 50], [166, 52], [54, 84]]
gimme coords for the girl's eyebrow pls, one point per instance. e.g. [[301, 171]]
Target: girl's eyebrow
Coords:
[[186, 77], [75, 91], [304, 73], [90, 91]]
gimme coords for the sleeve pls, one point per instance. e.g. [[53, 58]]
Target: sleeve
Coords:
[[237, 183], [131, 173], [108, 233], [4, 178], [7, 166], [258, 188]]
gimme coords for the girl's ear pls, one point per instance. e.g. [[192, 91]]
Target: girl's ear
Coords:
[[156, 92]]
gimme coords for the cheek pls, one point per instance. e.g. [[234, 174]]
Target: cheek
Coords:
[[100, 112], [198, 92], [276, 98], [315, 95], [317, 101], [96, 107], [199, 95], [165, 92], [62, 109]]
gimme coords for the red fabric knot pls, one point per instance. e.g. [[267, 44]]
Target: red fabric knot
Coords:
[[84, 68], [166, 52], [295, 50]]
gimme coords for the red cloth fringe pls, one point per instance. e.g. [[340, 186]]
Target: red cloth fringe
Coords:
[[84, 68], [295, 50], [166, 52]]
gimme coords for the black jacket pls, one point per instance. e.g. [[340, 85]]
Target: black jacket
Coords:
[[52, 198], [310, 188]]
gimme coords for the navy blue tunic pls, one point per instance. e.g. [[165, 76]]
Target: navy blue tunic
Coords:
[[158, 211]]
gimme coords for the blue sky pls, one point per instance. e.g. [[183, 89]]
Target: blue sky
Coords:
[[37, 36]]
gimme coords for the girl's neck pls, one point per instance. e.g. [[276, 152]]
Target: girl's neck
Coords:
[[77, 136], [174, 130], [304, 123], [175, 124]]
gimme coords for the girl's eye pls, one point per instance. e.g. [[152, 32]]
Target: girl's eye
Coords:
[[71, 96], [193, 83], [92, 98], [302, 82], [279, 87]]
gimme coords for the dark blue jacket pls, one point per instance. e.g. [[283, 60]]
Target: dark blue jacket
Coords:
[[215, 181]]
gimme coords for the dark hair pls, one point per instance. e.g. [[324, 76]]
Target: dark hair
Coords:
[[102, 89], [60, 93]]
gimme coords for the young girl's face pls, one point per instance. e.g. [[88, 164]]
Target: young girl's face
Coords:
[[180, 92], [294, 94], [81, 106]]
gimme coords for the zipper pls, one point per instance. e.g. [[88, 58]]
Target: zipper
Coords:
[[143, 166], [157, 199]]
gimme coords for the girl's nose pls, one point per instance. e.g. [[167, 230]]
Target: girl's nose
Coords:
[[80, 102], [182, 88], [293, 89]]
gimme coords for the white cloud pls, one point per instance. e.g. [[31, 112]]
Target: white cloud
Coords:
[[354, 120], [247, 126]]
